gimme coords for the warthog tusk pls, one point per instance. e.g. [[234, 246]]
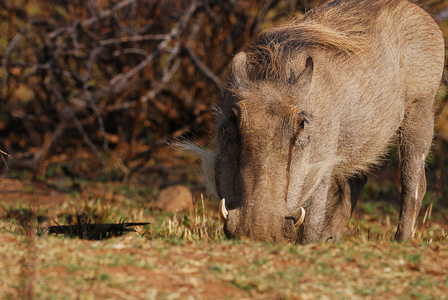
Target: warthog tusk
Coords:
[[300, 217], [223, 213]]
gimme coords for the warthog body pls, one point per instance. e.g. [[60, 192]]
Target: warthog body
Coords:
[[312, 105]]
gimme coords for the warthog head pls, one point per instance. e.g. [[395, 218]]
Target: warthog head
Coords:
[[262, 168]]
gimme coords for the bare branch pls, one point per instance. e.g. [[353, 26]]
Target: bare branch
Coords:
[[4, 153], [118, 82], [151, 94], [104, 14], [204, 69], [138, 38], [261, 16], [77, 123], [121, 79], [11, 45]]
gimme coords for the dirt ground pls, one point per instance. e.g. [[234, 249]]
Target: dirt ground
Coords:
[[136, 268], [158, 262], [186, 256]]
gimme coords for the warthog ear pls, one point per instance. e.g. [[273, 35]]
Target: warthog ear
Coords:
[[303, 81], [239, 69]]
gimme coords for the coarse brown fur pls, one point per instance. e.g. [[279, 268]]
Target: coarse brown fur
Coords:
[[312, 105]]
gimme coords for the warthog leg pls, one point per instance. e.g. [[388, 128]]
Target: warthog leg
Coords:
[[415, 140], [340, 208]]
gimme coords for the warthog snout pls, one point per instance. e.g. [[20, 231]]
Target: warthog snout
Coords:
[[280, 229], [288, 226]]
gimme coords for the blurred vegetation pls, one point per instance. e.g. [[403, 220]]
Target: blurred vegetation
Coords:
[[95, 88], [94, 76]]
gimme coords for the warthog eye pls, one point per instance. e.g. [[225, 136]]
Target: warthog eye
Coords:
[[299, 139], [300, 127]]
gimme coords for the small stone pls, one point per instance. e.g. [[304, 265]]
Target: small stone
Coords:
[[174, 198]]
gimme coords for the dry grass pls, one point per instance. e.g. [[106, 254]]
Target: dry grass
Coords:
[[134, 267], [186, 254]]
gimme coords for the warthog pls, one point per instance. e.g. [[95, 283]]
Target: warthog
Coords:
[[311, 106]]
